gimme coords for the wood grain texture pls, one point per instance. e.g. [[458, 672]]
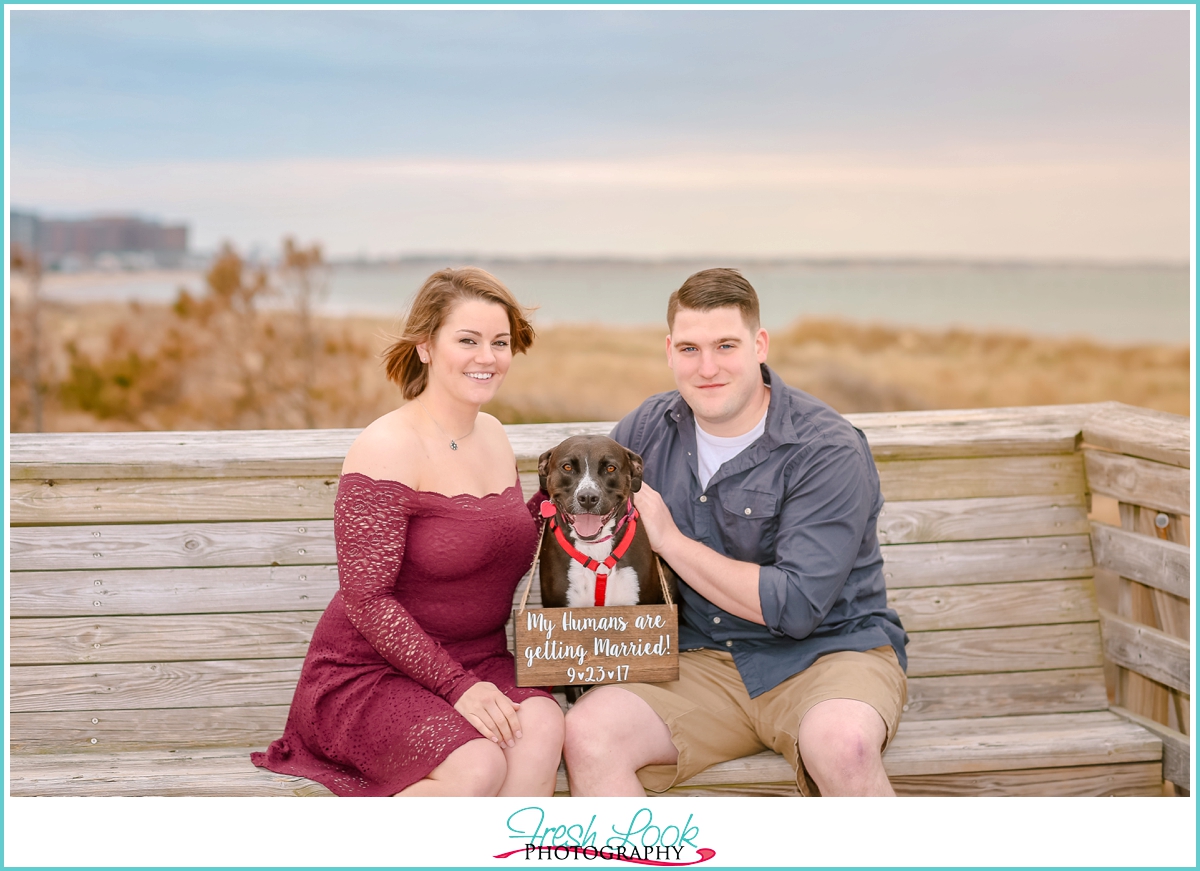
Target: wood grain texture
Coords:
[[319, 453], [1161, 564], [229, 453], [176, 500], [987, 562], [1066, 691], [172, 545], [1006, 743], [162, 638], [1018, 648], [1141, 432], [140, 685], [1149, 652], [1140, 482], [984, 477], [147, 729], [1130, 779], [1177, 749], [78, 593], [183, 772], [993, 605], [1136, 778], [974, 519]]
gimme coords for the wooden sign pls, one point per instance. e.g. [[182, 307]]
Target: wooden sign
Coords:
[[586, 646]]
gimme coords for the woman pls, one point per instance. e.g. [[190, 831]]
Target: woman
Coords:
[[408, 687]]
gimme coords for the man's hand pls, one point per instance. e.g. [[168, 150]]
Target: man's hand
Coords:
[[727, 583], [656, 517]]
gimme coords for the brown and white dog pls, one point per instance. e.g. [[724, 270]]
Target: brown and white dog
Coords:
[[591, 481]]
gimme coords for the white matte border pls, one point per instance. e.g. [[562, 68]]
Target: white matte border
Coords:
[[95, 832]]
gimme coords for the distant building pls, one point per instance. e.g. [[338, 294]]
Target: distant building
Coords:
[[107, 241]]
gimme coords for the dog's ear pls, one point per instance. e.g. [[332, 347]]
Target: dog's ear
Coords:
[[544, 469], [635, 466]]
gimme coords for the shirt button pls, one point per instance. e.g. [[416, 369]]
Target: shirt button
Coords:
[[716, 619], [729, 644], [703, 498], [747, 510]]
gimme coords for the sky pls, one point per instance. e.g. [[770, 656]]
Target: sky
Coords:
[[962, 133]]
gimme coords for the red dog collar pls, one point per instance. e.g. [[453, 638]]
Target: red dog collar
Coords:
[[602, 569]]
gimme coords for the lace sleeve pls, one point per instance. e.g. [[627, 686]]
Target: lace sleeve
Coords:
[[370, 527]]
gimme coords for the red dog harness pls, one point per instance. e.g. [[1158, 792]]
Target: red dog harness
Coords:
[[602, 569]]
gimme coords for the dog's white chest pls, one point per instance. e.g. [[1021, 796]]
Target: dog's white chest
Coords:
[[622, 587]]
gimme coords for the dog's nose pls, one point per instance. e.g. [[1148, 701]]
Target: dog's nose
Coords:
[[588, 501]]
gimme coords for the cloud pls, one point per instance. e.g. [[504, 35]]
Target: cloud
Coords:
[[981, 206]]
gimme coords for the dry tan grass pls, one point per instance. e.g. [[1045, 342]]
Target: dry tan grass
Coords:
[[149, 367]]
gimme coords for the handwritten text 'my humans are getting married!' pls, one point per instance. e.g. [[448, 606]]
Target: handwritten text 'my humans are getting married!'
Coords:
[[639, 841]]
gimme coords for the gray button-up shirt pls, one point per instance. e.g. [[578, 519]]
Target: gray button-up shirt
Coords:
[[802, 502]]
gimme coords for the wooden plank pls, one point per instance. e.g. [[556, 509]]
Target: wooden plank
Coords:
[[974, 519], [184, 772], [148, 546], [1042, 475], [1010, 434], [1007, 743], [1135, 778], [138, 685], [229, 453], [167, 729], [1151, 653], [163, 638], [992, 605], [987, 562], [1161, 564], [1020, 648], [173, 500], [171, 591], [1140, 432], [1141, 482], [1011, 694], [1177, 749]]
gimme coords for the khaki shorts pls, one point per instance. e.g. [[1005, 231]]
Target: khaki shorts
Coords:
[[713, 719]]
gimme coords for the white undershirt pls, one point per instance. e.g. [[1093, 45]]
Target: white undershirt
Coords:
[[712, 451]]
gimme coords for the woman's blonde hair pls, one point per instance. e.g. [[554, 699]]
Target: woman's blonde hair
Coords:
[[440, 292]]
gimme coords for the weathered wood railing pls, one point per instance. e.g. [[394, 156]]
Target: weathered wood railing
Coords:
[[164, 588], [1143, 459]]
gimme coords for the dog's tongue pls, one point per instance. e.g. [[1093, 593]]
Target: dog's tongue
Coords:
[[588, 525]]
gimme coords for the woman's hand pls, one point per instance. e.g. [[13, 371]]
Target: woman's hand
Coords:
[[491, 712]]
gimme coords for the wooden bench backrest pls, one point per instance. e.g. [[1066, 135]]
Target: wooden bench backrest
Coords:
[[165, 585]]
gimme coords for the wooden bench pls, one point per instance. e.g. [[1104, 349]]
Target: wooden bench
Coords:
[[164, 588]]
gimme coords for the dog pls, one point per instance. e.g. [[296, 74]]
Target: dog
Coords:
[[591, 481]]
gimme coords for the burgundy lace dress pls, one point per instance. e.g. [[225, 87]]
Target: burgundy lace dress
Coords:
[[426, 586]]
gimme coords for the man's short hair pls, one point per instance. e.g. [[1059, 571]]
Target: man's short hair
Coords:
[[709, 289]]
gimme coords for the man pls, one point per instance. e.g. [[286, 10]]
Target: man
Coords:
[[764, 500]]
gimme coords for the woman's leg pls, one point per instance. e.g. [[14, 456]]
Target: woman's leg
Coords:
[[476, 768], [533, 763]]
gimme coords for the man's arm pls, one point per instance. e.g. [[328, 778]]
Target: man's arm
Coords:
[[729, 584], [822, 522]]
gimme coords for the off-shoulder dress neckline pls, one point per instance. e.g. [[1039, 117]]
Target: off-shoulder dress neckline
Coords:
[[458, 496]]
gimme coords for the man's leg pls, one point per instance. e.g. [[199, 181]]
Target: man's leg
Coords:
[[841, 743], [611, 733]]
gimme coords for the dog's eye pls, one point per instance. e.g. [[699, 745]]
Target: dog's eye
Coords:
[[611, 468], [566, 467]]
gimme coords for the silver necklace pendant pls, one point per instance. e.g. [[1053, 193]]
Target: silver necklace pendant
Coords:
[[453, 445]]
